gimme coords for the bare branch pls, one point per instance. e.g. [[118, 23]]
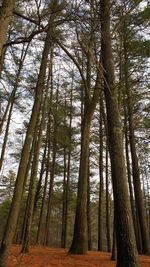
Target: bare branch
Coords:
[[76, 63], [26, 18]]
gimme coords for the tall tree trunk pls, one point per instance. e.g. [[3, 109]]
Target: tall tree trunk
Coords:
[[80, 241], [39, 183], [89, 209], [5, 18], [107, 205], [38, 239], [63, 233], [114, 246], [33, 180], [68, 166], [135, 165], [3, 119], [101, 183], [133, 208], [26, 177], [48, 146], [52, 175], [46, 112], [15, 206], [126, 244]]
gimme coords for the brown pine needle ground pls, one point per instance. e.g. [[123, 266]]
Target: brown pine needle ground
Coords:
[[51, 257]]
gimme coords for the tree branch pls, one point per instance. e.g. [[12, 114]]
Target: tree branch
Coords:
[[75, 62], [25, 39], [26, 18]]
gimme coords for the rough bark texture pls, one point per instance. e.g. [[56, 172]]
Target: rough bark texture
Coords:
[[126, 244], [5, 18], [80, 241]]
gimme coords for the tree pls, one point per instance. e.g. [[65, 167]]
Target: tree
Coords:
[[80, 241], [15, 206], [101, 184], [135, 164], [6, 11], [126, 245]]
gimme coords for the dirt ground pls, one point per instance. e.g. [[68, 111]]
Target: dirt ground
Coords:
[[51, 257]]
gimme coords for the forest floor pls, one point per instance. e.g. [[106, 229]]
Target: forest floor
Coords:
[[51, 257]]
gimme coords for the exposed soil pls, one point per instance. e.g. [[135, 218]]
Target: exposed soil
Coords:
[[51, 257]]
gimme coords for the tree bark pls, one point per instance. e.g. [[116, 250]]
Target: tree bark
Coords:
[[114, 247], [80, 240], [63, 233], [89, 209], [68, 165], [133, 206], [6, 11], [107, 205], [101, 182], [126, 244], [33, 179]]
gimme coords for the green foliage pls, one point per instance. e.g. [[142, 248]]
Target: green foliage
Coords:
[[4, 209], [146, 122], [140, 48], [7, 185], [145, 15]]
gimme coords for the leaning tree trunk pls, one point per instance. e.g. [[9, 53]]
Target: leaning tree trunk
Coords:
[[19, 186], [126, 244]]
